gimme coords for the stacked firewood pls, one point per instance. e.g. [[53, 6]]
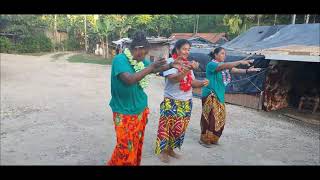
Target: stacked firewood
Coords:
[[277, 88]]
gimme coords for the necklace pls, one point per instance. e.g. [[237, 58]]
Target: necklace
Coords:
[[137, 66], [226, 76]]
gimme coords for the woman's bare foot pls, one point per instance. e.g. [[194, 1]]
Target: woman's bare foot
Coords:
[[173, 154], [164, 157], [207, 145]]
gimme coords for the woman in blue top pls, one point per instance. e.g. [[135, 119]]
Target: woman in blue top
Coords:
[[213, 106]]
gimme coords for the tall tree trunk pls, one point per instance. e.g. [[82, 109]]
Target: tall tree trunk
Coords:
[[85, 34], [275, 20], [294, 19], [194, 24], [55, 33], [307, 18], [65, 45], [107, 48], [158, 32], [197, 27]]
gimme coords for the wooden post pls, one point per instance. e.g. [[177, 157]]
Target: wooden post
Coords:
[[275, 20], [261, 97], [258, 16]]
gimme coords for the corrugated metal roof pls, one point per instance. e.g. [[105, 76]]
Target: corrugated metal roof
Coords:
[[280, 57], [181, 35], [294, 50], [212, 37], [151, 40]]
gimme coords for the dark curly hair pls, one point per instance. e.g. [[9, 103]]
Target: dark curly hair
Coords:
[[139, 39], [216, 51], [179, 44]]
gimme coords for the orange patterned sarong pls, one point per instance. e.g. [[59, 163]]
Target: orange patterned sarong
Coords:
[[130, 135]]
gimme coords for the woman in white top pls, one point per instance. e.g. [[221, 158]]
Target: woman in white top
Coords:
[[175, 110]]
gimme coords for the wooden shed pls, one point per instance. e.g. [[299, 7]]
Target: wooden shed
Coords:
[[159, 47], [61, 35]]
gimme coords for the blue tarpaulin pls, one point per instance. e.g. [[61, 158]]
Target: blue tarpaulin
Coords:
[[255, 39], [250, 83], [265, 37]]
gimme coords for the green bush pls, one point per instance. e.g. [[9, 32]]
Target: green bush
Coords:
[[44, 43], [5, 45], [28, 45], [34, 44], [59, 47], [71, 44]]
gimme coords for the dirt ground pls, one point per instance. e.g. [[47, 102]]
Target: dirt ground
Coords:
[[57, 113]]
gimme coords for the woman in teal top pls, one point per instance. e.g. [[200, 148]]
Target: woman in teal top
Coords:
[[129, 77], [213, 106]]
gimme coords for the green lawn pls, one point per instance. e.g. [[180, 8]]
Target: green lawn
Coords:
[[35, 54], [86, 58], [57, 56]]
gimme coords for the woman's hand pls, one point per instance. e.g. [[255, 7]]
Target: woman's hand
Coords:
[[252, 69], [158, 63], [194, 65], [177, 64], [199, 83], [205, 82], [186, 68], [246, 62]]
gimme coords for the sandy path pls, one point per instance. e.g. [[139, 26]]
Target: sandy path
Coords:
[[57, 113]]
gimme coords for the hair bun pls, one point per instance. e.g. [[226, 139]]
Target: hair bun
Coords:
[[139, 39]]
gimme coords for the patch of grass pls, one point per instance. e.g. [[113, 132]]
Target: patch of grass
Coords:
[[34, 54], [86, 58], [57, 56]]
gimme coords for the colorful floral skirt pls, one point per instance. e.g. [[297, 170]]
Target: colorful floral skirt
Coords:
[[130, 134], [212, 119], [174, 119]]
